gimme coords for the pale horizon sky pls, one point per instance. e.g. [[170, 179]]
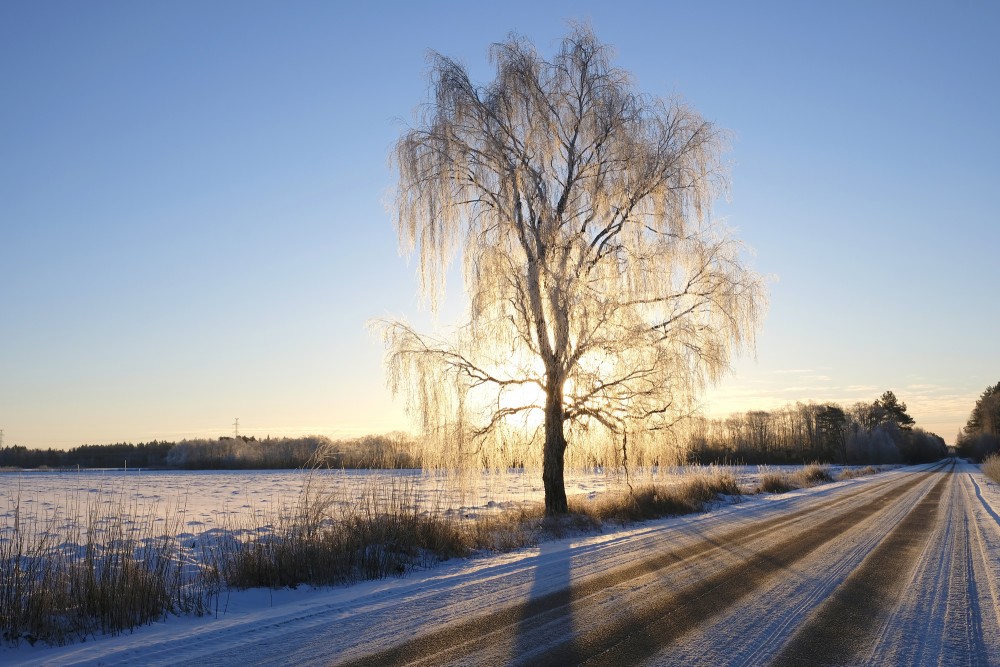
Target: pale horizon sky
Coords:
[[193, 227]]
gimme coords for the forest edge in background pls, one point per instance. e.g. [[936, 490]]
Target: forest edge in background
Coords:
[[863, 433]]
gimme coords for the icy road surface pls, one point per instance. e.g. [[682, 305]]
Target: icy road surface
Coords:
[[901, 568]]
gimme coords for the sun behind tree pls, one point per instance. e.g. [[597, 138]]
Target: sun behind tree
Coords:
[[594, 271]]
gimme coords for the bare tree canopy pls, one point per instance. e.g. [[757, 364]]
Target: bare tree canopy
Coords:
[[594, 271]]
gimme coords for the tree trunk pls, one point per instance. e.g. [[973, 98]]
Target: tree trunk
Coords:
[[553, 452]]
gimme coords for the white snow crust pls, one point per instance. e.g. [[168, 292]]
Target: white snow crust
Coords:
[[961, 562]]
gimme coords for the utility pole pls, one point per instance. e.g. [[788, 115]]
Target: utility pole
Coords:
[[1, 437], [236, 429]]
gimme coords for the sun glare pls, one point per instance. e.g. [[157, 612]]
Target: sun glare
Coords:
[[529, 396]]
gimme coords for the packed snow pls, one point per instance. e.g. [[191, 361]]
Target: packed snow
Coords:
[[323, 626]]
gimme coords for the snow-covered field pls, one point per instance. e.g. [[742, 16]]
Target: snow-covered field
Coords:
[[210, 500], [901, 568], [207, 497]]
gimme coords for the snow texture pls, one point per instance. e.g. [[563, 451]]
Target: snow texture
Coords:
[[796, 555]]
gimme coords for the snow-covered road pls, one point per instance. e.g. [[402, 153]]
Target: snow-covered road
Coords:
[[901, 568]]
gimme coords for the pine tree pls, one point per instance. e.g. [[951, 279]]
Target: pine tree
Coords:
[[894, 410]]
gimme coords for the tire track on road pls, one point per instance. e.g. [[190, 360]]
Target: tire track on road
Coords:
[[946, 614], [983, 573], [966, 605], [750, 633], [644, 635], [844, 627]]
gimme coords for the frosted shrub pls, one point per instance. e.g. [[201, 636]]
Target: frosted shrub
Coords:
[[991, 467]]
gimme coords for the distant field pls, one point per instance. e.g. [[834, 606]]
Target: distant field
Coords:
[[206, 499]]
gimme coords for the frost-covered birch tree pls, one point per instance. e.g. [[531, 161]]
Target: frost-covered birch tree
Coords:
[[595, 274]]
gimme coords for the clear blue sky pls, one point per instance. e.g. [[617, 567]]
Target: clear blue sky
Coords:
[[193, 229]]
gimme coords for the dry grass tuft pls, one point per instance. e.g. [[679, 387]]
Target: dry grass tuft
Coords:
[[509, 530], [814, 474], [991, 467], [851, 473], [776, 482], [651, 500]]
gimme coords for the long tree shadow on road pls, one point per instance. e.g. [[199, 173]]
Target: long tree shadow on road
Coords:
[[546, 617]]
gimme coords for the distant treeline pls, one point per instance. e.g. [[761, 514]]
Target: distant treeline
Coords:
[[863, 433], [373, 451], [981, 435], [143, 455], [877, 432]]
